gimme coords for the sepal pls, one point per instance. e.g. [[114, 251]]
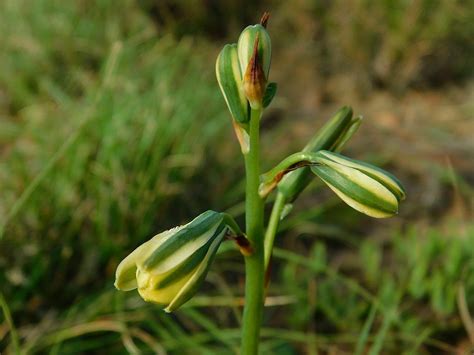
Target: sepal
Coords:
[[229, 77]]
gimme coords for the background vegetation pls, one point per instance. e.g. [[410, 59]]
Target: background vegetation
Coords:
[[112, 128]]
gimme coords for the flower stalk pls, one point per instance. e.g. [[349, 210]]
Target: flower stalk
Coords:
[[254, 263]]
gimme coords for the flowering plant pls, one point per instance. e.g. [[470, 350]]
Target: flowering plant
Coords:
[[169, 268]]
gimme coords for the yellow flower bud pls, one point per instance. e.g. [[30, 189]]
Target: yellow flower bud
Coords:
[[169, 268]]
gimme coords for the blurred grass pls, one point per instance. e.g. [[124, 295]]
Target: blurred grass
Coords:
[[112, 128], [103, 115], [388, 43]]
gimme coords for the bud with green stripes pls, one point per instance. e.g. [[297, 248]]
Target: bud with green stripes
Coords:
[[169, 268], [229, 76], [364, 187]]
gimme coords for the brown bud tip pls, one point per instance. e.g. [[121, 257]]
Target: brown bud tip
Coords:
[[264, 19], [254, 79], [254, 62]]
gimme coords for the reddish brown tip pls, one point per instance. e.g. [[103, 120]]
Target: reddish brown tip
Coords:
[[254, 79], [264, 19], [254, 59]]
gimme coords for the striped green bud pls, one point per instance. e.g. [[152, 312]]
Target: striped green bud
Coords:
[[169, 268], [245, 47], [364, 187], [296, 181], [229, 77]]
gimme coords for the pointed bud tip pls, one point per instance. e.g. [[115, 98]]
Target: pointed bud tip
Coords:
[[264, 19]]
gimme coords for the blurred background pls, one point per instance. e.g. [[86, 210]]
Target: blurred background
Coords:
[[112, 128]]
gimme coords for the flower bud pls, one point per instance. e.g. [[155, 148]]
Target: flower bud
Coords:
[[245, 47], [362, 186], [296, 181], [254, 80], [229, 76], [169, 268]]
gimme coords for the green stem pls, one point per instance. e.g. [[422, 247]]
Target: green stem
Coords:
[[290, 161], [270, 179], [272, 228], [254, 263]]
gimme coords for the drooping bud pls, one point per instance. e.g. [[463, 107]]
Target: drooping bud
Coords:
[[229, 76], [254, 80], [296, 181], [245, 46], [384, 177], [362, 186], [169, 268]]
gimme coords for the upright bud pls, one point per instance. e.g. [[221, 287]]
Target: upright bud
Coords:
[[254, 80], [169, 268], [362, 186], [245, 46], [296, 181], [229, 77]]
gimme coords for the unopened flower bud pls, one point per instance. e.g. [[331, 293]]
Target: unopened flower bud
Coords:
[[364, 187], [169, 268], [245, 47]]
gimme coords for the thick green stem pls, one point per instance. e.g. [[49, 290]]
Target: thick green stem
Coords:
[[272, 228], [254, 263]]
